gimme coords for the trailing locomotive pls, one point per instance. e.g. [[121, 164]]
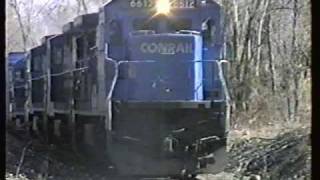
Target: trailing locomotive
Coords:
[[140, 84]]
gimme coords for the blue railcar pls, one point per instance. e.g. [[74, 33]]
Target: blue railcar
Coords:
[[17, 70], [169, 107], [59, 93], [85, 86], [38, 62]]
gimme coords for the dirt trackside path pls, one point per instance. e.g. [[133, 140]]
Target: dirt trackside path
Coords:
[[287, 156]]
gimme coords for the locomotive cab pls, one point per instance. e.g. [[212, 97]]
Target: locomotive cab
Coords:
[[168, 105]]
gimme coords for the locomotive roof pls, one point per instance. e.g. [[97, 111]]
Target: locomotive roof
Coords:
[[38, 49], [86, 20], [67, 28], [81, 23], [45, 38], [57, 38]]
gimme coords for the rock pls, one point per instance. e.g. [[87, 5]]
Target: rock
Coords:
[[282, 157], [220, 176]]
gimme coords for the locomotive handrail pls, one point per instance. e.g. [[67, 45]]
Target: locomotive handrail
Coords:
[[198, 86], [18, 87], [227, 95], [221, 76], [70, 71], [38, 78], [52, 75], [59, 74], [115, 76], [219, 62]]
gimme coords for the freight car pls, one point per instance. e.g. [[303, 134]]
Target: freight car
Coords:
[[140, 83]]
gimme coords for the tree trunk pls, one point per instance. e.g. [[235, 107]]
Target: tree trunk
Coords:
[[261, 23], [84, 5], [15, 6], [294, 61], [270, 55], [235, 29]]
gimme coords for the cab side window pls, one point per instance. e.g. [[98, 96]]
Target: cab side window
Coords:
[[144, 24], [115, 32]]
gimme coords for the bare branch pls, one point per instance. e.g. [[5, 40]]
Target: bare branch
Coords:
[[22, 157]]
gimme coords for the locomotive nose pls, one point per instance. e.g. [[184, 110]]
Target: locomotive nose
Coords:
[[159, 80]]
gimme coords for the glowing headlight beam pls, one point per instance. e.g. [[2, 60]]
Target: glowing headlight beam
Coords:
[[163, 6]]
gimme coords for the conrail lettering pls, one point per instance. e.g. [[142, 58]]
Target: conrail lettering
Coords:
[[166, 48]]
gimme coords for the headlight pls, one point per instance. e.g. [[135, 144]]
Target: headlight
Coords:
[[163, 6]]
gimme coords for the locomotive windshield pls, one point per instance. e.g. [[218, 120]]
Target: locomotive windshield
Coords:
[[144, 24], [180, 24], [171, 25]]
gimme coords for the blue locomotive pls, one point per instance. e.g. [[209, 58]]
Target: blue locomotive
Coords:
[[139, 83]]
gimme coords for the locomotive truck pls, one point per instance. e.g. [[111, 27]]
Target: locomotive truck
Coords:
[[140, 84]]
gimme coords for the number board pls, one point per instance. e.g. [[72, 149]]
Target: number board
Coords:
[[175, 4]]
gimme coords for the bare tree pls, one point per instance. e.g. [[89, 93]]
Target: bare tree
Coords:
[[81, 4], [16, 7], [261, 23], [271, 51]]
